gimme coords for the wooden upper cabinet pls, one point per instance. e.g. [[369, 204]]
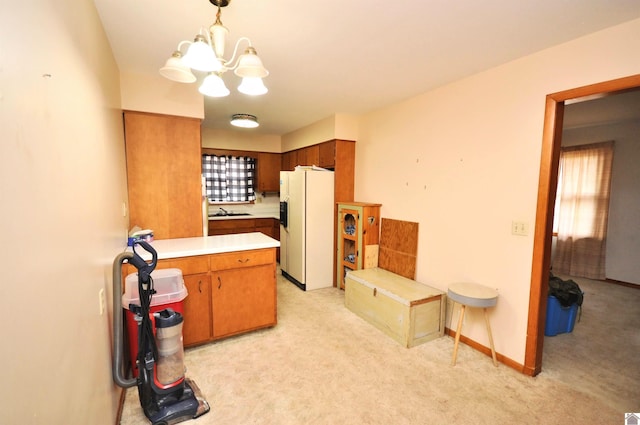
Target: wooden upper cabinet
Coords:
[[345, 158], [268, 172], [289, 160], [309, 155], [163, 174], [327, 154]]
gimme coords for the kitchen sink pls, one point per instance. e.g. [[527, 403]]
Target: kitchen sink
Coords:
[[231, 214]]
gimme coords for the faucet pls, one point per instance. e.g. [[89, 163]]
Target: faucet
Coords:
[[225, 212]]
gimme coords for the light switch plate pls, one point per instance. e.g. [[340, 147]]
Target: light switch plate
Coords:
[[519, 228]]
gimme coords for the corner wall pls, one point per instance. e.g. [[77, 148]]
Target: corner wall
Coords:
[[463, 161], [62, 179], [338, 126]]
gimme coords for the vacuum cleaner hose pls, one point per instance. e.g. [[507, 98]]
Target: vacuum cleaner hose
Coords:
[[118, 331]]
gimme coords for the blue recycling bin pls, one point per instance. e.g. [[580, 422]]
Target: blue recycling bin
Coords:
[[559, 319]]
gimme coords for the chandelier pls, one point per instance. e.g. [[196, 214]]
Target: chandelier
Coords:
[[206, 54]]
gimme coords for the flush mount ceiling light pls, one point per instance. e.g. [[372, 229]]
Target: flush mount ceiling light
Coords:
[[244, 120], [205, 53]]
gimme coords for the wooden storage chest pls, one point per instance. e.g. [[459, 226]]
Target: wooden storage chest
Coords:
[[409, 312]]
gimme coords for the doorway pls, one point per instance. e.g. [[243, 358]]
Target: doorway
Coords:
[[547, 183]]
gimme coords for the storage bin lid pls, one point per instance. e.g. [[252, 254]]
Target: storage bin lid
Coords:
[[399, 288], [168, 283]]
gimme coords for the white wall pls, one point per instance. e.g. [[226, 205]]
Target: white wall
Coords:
[[62, 182], [156, 94], [240, 140], [623, 231], [338, 126], [463, 161]]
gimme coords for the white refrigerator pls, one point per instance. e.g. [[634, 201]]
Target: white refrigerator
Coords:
[[306, 227]]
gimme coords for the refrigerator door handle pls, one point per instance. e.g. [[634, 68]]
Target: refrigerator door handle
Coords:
[[284, 213]]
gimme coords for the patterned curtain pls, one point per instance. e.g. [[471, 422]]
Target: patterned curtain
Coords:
[[582, 210], [240, 177], [229, 178], [214, 170]]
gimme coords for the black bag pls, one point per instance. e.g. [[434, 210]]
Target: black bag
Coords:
[[567, 292]]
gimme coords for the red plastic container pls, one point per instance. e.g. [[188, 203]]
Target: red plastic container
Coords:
[[170, 293]]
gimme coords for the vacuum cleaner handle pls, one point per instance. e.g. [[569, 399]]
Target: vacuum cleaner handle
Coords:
[[118, 331], [144, 268]]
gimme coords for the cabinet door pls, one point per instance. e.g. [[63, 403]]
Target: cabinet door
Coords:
[[197, 309], [309, 155], [265, 225], [327, 154], [269, 172], [163, 174], [243, 299], [232, 226], [276, 235], [289, 160], [345, 154]]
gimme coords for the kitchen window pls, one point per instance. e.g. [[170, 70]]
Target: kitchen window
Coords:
[[229, 178]]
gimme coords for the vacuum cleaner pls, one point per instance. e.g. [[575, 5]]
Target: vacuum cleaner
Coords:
[[166, 395]]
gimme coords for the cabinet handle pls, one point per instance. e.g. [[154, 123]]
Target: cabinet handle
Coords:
[[375, 291], [246, 260], [219, 282], [200, 286]]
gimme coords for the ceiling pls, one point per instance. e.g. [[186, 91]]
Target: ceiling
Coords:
[[350, 57]]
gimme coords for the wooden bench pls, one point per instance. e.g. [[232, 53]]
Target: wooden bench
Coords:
[[389, 298]]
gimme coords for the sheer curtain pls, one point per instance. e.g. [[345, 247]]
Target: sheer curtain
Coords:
[[582, 210]]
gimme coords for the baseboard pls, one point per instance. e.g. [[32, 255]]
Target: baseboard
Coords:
[[120, 405], [621, 283], [487, 351]]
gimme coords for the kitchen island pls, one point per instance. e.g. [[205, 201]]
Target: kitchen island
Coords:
[[230, 280]]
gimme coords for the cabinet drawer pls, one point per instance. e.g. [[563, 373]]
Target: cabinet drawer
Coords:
[[188, 265], [234, 260], [238, 223]]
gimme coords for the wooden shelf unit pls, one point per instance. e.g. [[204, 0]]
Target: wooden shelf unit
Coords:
[[358, 236]]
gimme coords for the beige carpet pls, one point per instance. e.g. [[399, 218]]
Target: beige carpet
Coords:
[[324, 365]]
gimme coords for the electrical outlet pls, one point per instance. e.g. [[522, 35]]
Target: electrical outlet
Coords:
[[102, 301], [519, 228]]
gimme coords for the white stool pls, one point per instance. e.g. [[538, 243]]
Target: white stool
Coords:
[[472, 295]]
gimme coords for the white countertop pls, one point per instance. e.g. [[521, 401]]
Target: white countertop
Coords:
[[187, 247]]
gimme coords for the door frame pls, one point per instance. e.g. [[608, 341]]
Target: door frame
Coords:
[[547, 184]]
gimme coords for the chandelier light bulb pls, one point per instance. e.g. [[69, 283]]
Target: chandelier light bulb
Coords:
[[213, 86], [250, 65], [201, 57], [252, 86], [175, 70]]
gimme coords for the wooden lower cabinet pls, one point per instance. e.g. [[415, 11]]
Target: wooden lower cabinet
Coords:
[[231, 226], [197, 309], [243, 300], [227, 294]]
